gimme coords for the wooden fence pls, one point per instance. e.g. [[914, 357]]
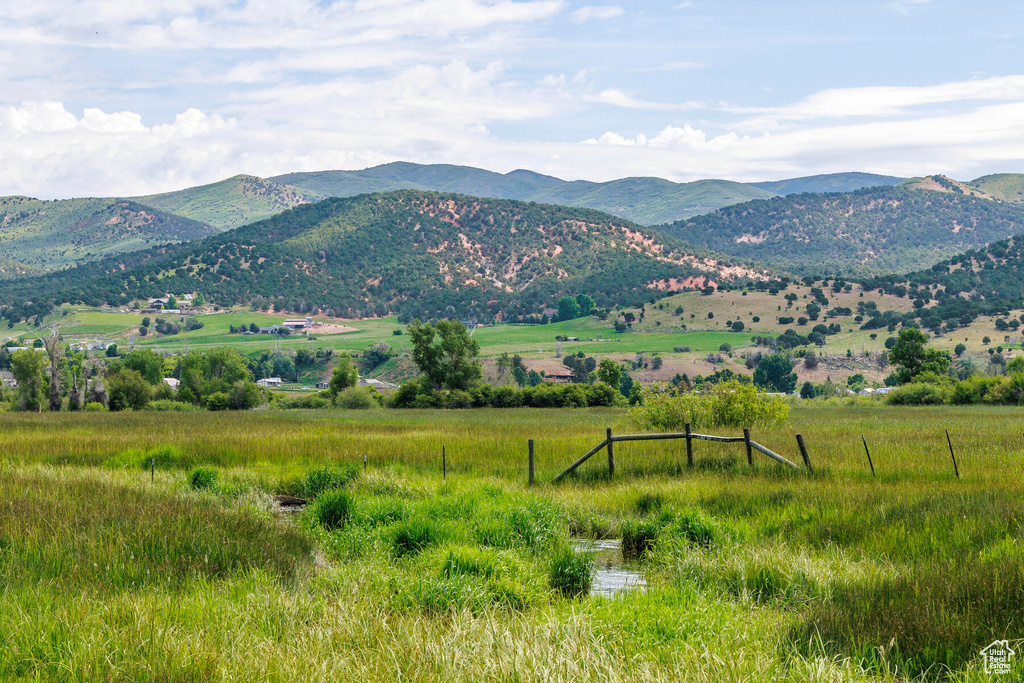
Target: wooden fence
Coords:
[[689, 435]]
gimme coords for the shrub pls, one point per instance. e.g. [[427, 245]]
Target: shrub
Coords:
[[571, 573], [202, 478], [357, 398], [333, 510], [918, 394], [218, 400], [727, 404], [95, 407], [681, 349]]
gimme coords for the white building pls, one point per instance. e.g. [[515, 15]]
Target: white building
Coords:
[[269, 382]]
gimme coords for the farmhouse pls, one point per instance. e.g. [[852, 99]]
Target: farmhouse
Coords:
[[323, 384], [172, 382], [298, 323], [269, 329], [269, 382]]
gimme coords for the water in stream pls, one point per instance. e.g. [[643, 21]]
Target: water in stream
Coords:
[[612, 574]]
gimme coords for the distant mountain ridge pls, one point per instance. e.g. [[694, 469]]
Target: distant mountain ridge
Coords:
[[646, 201], [828, 182]]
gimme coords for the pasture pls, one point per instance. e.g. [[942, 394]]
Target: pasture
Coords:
[[116, 571]]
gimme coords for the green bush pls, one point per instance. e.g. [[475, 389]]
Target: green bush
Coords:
[[202, 478], [218, 400], [358, 398], [727, 404], [333, 510], [919, 394], [95, 407], [571, 573]]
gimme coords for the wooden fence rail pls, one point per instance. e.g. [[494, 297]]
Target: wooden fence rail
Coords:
[[689, 435]]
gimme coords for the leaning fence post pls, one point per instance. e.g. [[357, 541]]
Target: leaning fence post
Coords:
[[870, 464], [803, 452], [531, 462], [952, 455], [750, 450], [611, 454], [689, 446]]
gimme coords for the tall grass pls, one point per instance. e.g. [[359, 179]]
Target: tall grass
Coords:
[[753, 573]]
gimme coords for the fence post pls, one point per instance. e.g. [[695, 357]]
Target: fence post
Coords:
[[152, 470], [952, 455], [531, 462], [364, 462], [803, 452], [689, 446], [611, 454], [870, 464], [444, 465], [746, 442]]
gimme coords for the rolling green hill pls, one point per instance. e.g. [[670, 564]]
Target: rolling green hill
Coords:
[[1009, 187], [867, 232], [231, 203], [647, 201], [404, 251], [48, 235], [829, 182]]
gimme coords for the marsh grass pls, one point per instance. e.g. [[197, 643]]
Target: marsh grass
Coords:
[[754, 574]]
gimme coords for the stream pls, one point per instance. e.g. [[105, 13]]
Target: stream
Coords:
[[612, 574]]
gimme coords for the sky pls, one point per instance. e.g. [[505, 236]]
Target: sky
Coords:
[[130, 97]]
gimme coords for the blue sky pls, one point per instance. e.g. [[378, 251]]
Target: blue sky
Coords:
[[105, 97]]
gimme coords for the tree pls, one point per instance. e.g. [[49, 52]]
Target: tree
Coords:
[[808, 390], [344, 375], [445, 354], [775, 373], [27, 367], [959, 350], [172, 303], [147, 363], [912, 358], [112, 351], [534, 378], [626, 385], [128, 390], [54, 352], [609, 372], [568, 308], [376, 355], [586, 304], [519, 375]]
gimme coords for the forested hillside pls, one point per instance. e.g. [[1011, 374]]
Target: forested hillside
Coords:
[[47, 235], [863, 233], [404, 251], [952, 293]]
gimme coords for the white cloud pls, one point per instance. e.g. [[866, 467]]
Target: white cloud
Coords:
[[588, 12], [617, 98]]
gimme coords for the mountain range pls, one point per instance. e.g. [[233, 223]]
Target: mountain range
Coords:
[[405, 250]]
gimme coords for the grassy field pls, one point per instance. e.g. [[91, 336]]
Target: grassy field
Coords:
[[395, 573]]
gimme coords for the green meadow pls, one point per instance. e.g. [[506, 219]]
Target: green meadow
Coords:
[[146, 547]]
